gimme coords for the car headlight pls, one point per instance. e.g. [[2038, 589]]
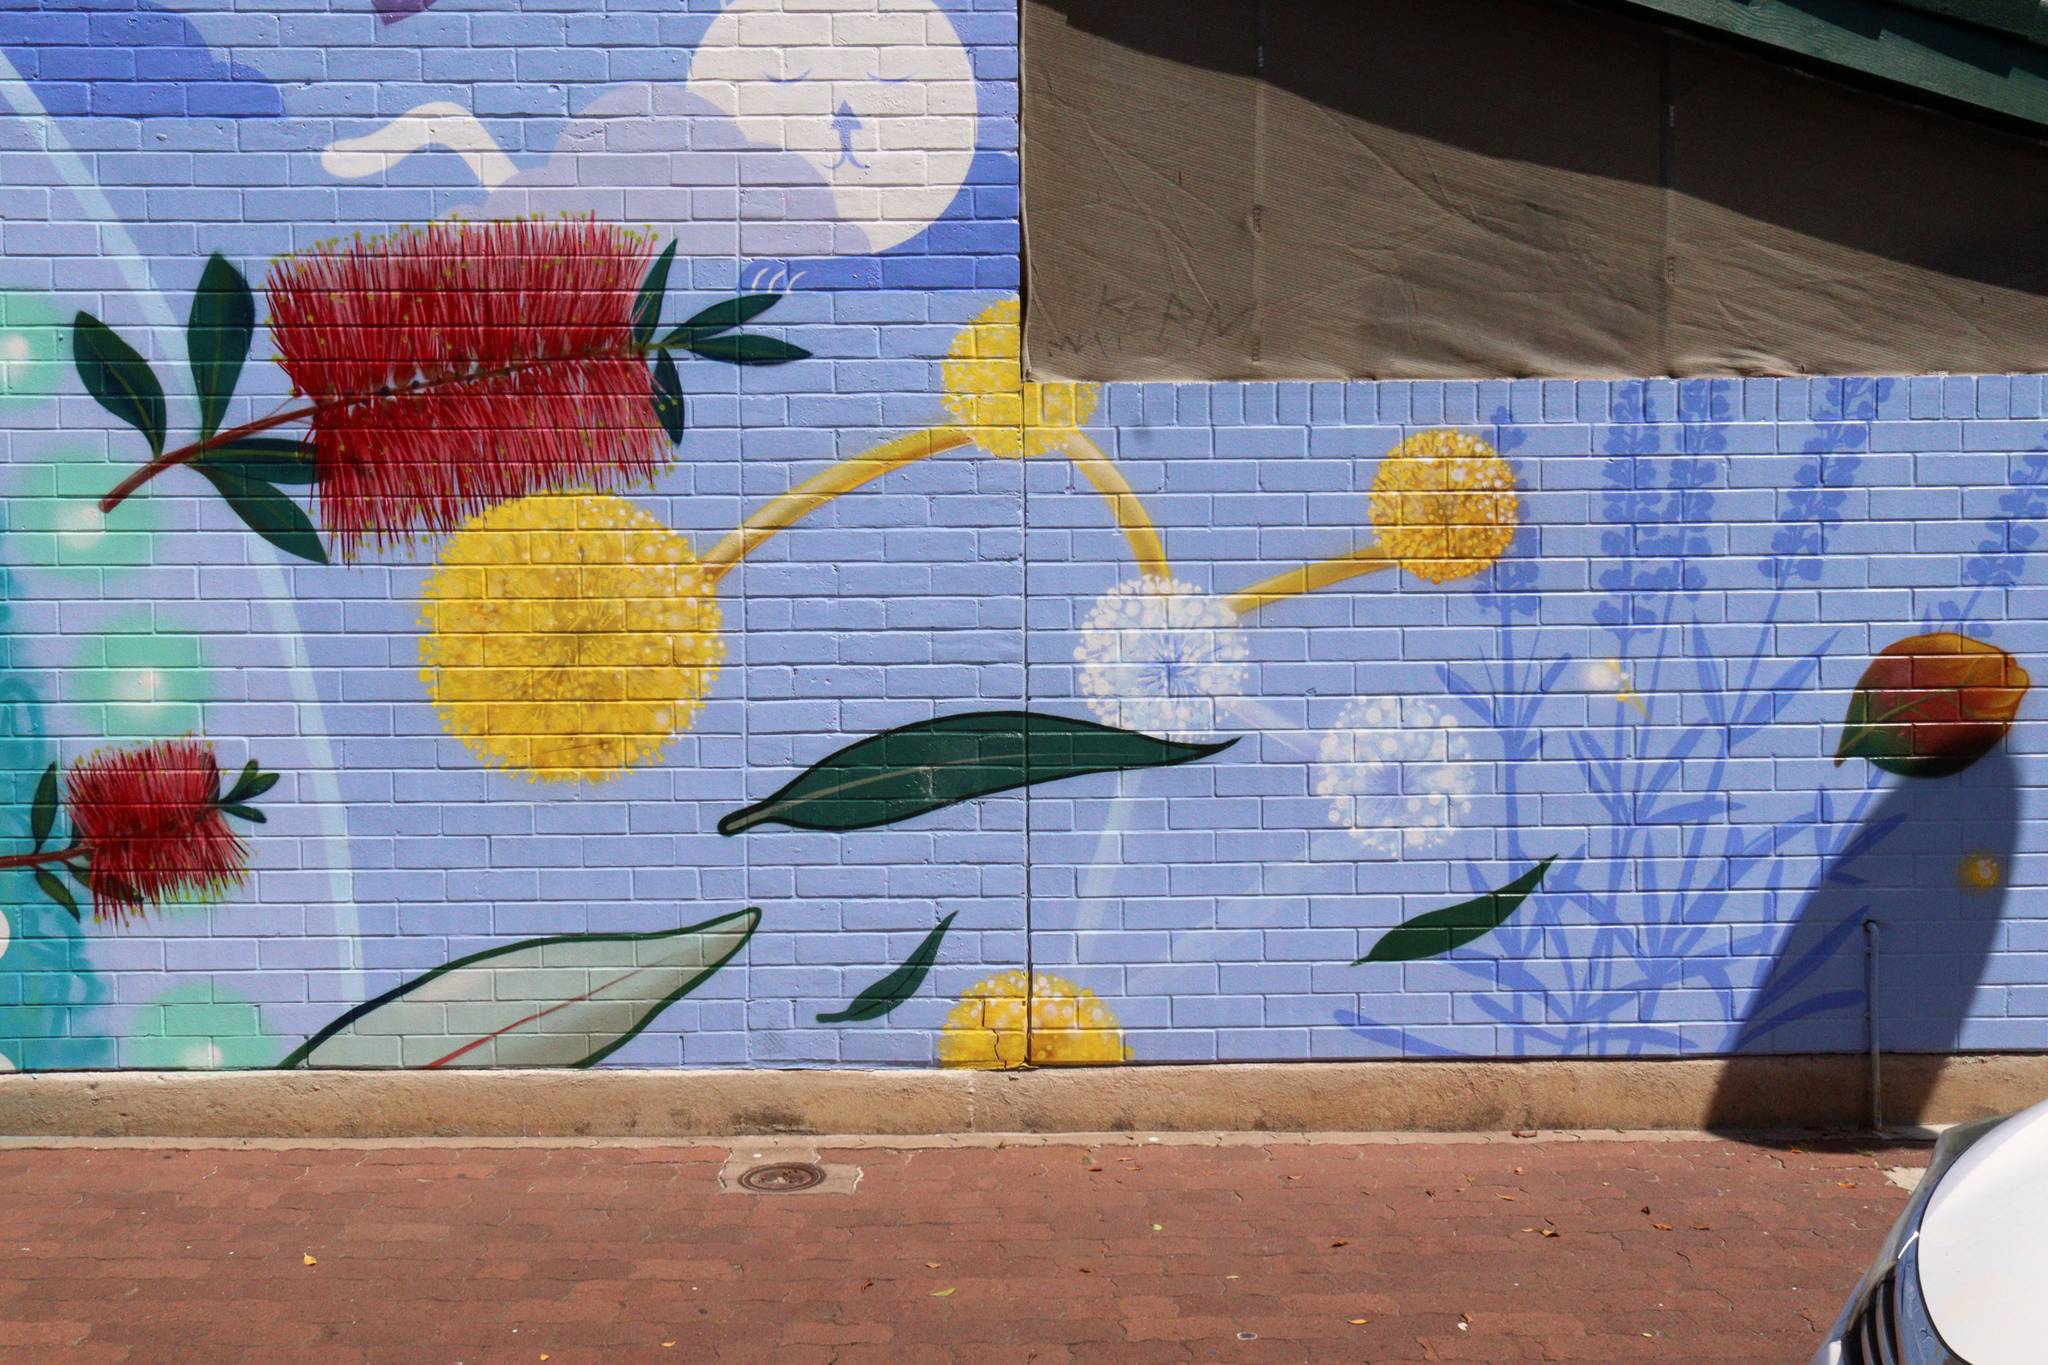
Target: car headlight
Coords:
[[1886, 1321]]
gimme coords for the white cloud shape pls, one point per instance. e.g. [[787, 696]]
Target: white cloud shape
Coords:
[[875, 96]]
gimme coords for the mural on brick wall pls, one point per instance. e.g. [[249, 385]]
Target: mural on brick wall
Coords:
[[612, 595]]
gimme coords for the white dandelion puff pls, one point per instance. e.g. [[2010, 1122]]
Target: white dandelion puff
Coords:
[[1157, 655], [1399, 778]]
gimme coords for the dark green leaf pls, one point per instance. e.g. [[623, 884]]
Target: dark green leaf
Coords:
[[647, 308], [268, 513], [722, 316], [119, 378], [56, 891], [80, 874], [935, 763], [748, 350], [249, 813], [1439, 931], [250, 785], [249, 770], [258, 458], [43, 814], [668, 397], [898, 986], [217, 338]]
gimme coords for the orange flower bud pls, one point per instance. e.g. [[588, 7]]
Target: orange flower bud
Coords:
[[1932, 705]]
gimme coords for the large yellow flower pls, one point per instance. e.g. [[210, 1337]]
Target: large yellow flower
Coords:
[[987, 395], [1444, 504], [1069, 1025], [568, 636]]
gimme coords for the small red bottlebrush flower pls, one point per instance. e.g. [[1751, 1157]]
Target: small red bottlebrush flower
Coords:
[[464, 364], [151, 824]]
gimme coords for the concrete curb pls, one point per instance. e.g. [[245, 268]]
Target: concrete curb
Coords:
[[1725, 1094]]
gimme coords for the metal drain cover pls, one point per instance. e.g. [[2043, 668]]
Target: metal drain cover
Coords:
[[782, 1177]]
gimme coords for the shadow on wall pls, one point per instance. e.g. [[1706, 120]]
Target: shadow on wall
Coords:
[[1401, 190], [1930, 866]]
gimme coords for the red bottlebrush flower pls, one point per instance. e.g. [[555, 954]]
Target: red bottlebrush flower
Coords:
[[465, 364], [150, 827]]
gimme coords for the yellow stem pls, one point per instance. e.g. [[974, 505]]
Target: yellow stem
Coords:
[[1307, 578], [1124, 504], [781, 513]]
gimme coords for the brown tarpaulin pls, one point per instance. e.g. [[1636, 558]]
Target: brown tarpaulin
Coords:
[[1263, 189]]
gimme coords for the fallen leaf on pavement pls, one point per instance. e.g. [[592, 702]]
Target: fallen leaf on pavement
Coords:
[[1525, 1132], [1358, 1322], [1340, 1244], [941, 1293], [1661, 1227], [1546, 1232], [931, 1265], [1510, 1198], [1158, 1228], [1702, 1227], [310, 1261]]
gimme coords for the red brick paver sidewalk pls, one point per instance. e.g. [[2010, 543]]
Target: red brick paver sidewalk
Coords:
[[1663, 1250]]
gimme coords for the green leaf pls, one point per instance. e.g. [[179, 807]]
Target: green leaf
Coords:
[[43, 814], [722, 316], [217, 338], [119, 378], [647, 308], [250, 785], [668, 397], [1439, 931], [249, 770], [270, 461], [571, 1000], [899, 985], [56, 891], [249, 813], [748, 350], [268, 513], [924, 767], [81, 875]]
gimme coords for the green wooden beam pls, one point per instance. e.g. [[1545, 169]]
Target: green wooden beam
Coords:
[[2021, 18], [1984, 65]]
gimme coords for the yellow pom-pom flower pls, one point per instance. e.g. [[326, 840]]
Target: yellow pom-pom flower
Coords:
[[568, 636], [1444, 505], [987, 395], [1069, 1025]]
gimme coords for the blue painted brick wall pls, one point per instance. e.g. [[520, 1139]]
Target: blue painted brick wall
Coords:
[[1647, 688]]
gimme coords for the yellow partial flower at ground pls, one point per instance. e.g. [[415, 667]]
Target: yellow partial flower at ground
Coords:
[[986, 393], [1069, 1025], [568, 636], [1444, 505]]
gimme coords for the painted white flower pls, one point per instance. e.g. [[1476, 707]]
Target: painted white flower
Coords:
[[1400, 776], [1608, 675], [1157, 655]]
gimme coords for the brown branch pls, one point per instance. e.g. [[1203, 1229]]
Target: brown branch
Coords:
[[170, 459], [56, 855]]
